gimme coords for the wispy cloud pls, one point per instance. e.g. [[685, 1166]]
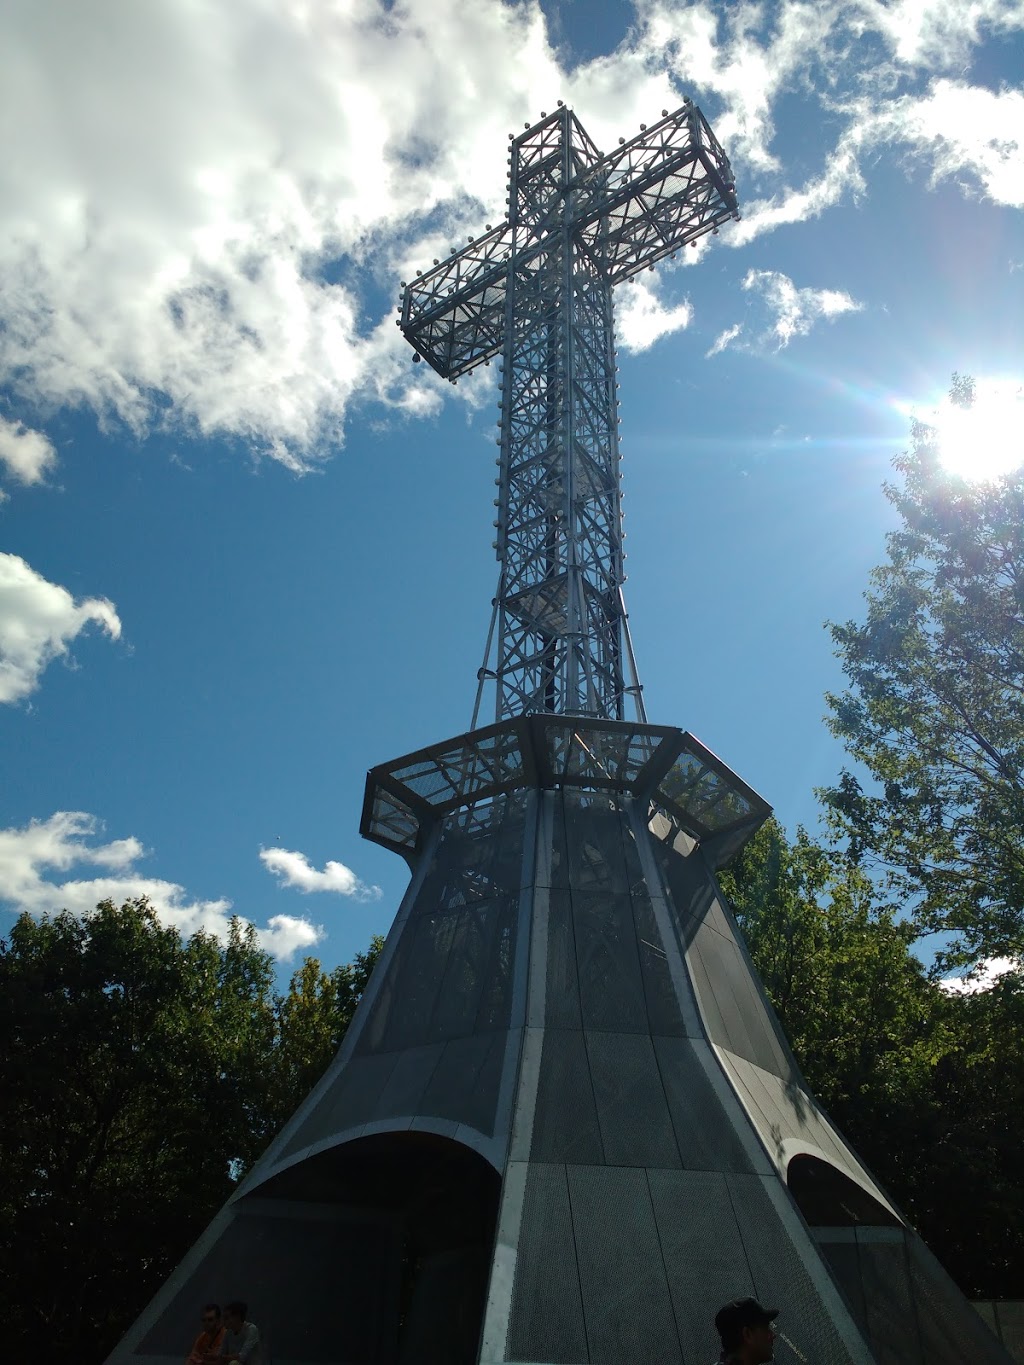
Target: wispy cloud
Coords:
[[641, 318], [723, 340], [33, 857], [795, 310], [38, 622], [295, 870]]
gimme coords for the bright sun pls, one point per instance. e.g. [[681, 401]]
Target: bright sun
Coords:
[[986, 439]]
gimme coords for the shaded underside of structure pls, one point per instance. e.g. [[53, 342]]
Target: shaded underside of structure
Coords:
[[564, 1125]]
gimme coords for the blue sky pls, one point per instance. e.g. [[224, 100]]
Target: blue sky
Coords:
[[245, 545]]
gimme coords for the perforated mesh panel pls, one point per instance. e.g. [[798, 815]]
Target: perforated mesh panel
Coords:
[[562, 991], [608, 961], [272, 1261], [705, 1136], [631, 1107], [839, 1246], [951, 1330], [780, 1275], [464, 1085], [546, 1320], [565, 1126], [703, 1253], [593, 827], [351, 1100], [409, 1078], [892, 1321], [625, 1289]]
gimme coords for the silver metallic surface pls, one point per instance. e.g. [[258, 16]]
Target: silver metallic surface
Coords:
[[538, 290]]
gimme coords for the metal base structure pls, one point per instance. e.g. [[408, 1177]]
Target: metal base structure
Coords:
[[564, 1125]]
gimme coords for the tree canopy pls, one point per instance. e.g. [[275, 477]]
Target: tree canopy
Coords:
[[928, 1086], [142, 1075], [934, 711]]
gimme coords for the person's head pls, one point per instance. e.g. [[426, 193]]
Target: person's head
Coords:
[[746, 1330], [210, 1316], [235, 1314]]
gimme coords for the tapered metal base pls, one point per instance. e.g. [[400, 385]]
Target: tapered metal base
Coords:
[[564, 1125]]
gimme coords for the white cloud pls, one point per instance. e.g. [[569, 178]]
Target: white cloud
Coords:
[[982, 978], [180, 241], [295, 869], [723, 340], [795, 309], [963, 129], [182, 244], [855, 61], [26, 455], [841, 176], [31, 855], [725, 53], [38, 621], [938, 34], [641, 317]]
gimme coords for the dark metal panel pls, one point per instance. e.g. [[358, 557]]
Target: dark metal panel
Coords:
[[705, 1134], [626, 1297], [593, 824], [565, 1126], [951, 1330], [631, 1106], [716, 1000], [839, 1247], [892, 1321], [703, 1253], [781, 1275], [407, 1082], [608, 962], [464, 1085], [274, 1260], [352, 1100], [559, 869], [503, 962], [562, 991], [664, 1015], [546, 1320]]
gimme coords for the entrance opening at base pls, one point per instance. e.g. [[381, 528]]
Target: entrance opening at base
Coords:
[[416, 1217], [828, 1198]]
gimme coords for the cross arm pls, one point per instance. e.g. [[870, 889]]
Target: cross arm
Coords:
[[454, 314], [664, 188]]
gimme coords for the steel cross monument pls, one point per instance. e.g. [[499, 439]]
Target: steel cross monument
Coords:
[[537, 290], [564, 1124]]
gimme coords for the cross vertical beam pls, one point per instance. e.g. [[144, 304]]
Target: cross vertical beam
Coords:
[[539, 289]]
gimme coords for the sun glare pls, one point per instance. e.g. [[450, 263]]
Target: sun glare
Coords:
[[986, 439]]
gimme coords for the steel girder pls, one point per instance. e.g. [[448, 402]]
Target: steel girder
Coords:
[[537, 289]]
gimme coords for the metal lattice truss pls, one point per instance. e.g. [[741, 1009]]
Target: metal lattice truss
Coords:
[[538, 290]]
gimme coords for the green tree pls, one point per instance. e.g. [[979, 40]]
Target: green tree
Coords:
[[854, 1002], [141, 1075], [928, 1086], [312, 1020], [935, 707]]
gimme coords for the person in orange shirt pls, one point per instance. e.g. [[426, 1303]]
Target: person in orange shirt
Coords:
[[208, 1344]]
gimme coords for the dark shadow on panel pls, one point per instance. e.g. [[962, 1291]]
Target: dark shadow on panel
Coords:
[[829, 1199], [442, 1200], [376, 1252]]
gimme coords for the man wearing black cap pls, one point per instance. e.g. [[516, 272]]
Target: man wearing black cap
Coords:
[[746, 1331]]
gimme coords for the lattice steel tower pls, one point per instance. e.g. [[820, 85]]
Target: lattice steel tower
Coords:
[[538, 290], [564, 1125]]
